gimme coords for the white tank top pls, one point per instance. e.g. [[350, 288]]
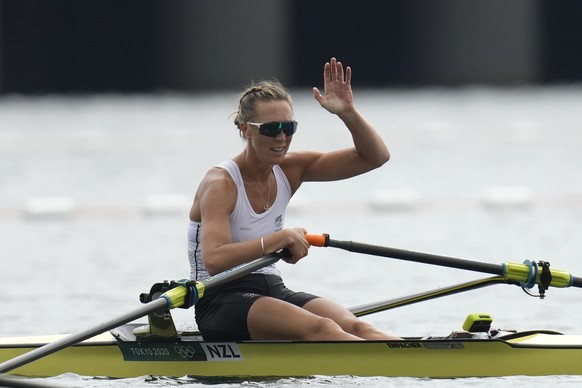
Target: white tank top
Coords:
[[245, 223]]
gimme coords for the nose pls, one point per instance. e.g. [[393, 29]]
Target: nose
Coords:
[[281, 136]]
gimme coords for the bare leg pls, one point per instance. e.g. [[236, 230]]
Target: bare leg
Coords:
[[271, 318], [346, 320]]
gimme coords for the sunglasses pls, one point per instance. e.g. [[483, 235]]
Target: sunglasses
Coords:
[[273, 128]]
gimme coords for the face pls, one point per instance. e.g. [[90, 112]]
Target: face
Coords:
[[276, 147]]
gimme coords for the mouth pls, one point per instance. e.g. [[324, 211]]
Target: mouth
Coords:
[[277, 149]]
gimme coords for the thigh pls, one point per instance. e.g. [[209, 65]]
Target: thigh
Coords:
[[333, 310], [224, 317], [299, 299], [273, 319]]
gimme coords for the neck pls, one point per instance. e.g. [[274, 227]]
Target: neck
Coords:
[[252, 167], [258, 180]]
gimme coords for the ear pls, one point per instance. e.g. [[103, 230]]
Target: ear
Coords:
[[244, 129]]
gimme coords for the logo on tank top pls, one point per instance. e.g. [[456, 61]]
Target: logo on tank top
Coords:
[[279, 222]]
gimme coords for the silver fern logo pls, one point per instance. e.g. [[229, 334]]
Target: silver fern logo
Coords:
[[279, 221]]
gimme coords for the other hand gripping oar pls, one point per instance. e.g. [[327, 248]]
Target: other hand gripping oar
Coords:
[[527, 273], [185, 293]]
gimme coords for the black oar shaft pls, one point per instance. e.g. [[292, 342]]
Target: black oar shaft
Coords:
[[53, 347], [527, 273], [402, 254], [155, 305], [237, 272], [576, 282]]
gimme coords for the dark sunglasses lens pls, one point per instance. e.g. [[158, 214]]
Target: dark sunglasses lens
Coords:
[[273, 129]]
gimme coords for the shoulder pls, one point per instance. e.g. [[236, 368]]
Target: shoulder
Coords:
[[217, 189], [214, 191], [296, 163], [216, 195], [217, 179], [297, 158]]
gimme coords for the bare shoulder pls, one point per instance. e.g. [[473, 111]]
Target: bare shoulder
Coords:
[[303, 157], [296, 163], [217, 175], [217, 191], [217, 181]]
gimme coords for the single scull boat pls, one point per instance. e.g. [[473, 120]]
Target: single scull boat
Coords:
[[123, 349]]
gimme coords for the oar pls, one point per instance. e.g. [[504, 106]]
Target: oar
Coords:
[[175, 297], [375, 307], [528, 273]]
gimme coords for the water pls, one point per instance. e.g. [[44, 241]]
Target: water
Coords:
[[96, 189]]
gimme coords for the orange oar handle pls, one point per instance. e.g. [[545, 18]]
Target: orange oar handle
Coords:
[[317, 240]]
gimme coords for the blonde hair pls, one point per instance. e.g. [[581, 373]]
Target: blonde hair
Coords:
[[270, 90]]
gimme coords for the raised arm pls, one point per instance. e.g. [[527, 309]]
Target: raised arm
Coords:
[[369, 151]]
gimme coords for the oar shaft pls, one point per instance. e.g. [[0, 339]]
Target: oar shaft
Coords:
[[384, 305], [178, 296], [527, 273], [176, 299], [576, 282], [402, 254], [53, 347], [237, 272]]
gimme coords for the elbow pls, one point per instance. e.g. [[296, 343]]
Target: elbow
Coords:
[[212, 264], [212, 269], [381, 159], [386, 158]]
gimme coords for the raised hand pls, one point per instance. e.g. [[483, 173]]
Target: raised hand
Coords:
[[337, 97]]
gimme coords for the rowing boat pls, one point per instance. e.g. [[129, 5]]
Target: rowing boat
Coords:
[[119, 353], [122, 348]]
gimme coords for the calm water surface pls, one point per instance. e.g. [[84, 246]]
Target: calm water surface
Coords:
[[95, 194]]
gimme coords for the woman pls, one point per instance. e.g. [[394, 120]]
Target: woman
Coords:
[[239, 209]]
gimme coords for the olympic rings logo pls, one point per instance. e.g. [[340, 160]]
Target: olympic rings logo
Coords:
[[185, 351]]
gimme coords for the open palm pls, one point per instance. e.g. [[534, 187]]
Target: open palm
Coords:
[[337, 97]]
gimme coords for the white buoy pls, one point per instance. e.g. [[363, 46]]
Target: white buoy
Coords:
[[508, 197], [48, 207]]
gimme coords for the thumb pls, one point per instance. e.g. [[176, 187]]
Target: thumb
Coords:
[[317, 94]]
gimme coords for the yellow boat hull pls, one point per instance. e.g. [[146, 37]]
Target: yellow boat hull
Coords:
[[520, 354]]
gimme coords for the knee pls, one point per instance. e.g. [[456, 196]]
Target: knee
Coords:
[[367, 331], [360, 328], [321, 328]]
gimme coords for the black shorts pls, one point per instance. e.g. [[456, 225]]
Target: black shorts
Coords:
[[221, 315]]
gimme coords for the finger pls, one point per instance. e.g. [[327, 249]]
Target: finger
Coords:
[[333, 66], [348, 75], [316, 93], [326, 73], [340, 71]]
